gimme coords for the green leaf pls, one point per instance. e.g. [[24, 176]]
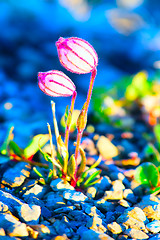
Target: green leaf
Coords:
[[147, 174], [13, 147], [38, 141], [48, 158], [71, 166], [90, 179], [84, 174], [9, 137], [63, 152], [152, 154], [38, 173], [157, 133]]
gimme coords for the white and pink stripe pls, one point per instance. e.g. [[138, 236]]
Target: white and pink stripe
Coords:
[[76, 55], [56, 83]]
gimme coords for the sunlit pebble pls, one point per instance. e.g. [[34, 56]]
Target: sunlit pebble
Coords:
[[110, 136], [90, 129], [8, 105], [133, 155], [96, 137], [156, 64], [127, 135]]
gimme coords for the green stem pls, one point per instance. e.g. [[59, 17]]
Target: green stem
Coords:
[[67, 130]]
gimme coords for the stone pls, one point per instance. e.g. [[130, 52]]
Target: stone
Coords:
[[115, 228], [117, 185], [106, 148], [92, 211], [32, 233], [130, 222], [110, 217], [73, 195], [156, 237], [54, 201], [95, 223], [124, 203], [136, 213], [13, 226], [42, 229], [14, 177], [37, 191], [17, 230], [154, 226], [136, 234], [2, 232], [10, 200], [113, 195], [95, 235], [29, 213], [104, 184], [62, 228], [59, 185], [3, 207], [104, 206], [91, 192], [151, 207], [64, 209], [129, 195]]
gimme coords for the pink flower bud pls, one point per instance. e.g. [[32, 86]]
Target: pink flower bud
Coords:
[[76, 55], [55, 84]]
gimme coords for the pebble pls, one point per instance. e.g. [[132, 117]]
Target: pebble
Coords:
[[151, 207], [113, 195], [91, 192], [95, 235], [73, 195], [129, 195], [35, 191], [13, 226], [28, 213], [2, 232], [117, 184], [104, 205], [10, 200], [115, 228], [3, 207], [14, 177], [156, 237], [95, 223], [59, 185], [103, 184], [154, 226], [54, 201], [136, 234]]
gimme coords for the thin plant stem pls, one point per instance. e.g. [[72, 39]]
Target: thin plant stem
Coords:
[[67, 130], [55, 123], [89, 94], [52, 150], [80, 133]]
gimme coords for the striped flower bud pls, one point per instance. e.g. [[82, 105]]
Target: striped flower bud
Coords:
[[56, 84], [76, 55]]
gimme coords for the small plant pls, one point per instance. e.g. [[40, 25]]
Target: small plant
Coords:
[[148, 173], [11, 151], [77, 56]]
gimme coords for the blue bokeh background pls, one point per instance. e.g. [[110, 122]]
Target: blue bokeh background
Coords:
[[124, 33]]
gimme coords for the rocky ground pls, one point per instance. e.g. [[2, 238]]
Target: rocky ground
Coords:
[[115, 208]]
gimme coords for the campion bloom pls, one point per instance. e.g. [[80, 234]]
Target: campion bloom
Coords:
[[76, 55], [56, 84]]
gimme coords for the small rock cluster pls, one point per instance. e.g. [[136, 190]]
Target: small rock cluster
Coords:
[[114, 208]]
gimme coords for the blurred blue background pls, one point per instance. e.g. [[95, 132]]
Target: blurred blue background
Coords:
[[124, 33]]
